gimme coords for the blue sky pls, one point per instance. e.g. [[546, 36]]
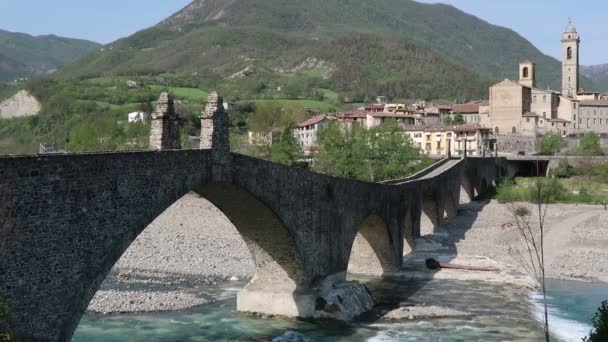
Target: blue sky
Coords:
[[540, 21]]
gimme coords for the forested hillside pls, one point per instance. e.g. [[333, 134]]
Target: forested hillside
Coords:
[[22, 55]]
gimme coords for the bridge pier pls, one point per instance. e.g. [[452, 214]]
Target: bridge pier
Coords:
[[164, 134], [372, 252]]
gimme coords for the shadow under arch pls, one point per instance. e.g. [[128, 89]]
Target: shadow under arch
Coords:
[[467, 192], [409, 236], [372, 249], [279, 269], [450, 210], [429, 215]]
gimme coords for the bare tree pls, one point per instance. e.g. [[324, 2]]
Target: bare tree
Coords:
[[531, 227]]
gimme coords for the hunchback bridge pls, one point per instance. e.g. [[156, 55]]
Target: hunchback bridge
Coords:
[[66, 219]]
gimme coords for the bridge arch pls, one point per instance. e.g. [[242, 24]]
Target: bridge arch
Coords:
[[429, 216], [278, 265], [450, 210], [372, 250], [409, 236], [467, 191]]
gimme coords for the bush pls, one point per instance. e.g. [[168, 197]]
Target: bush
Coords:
[[564, 169], [600, 325], [590, 145], [551, 144], [507, 191]]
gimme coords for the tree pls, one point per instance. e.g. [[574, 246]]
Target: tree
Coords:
[[564, 169], [600, 325], [378, 154], [457, 119], [551, 144], [286, 151], [272, 116], [590, 145], [531, 252]]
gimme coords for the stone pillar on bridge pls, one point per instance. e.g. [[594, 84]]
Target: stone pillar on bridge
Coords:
[[215, 135], [164, 134]]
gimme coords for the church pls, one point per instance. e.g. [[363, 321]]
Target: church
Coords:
[[519, 108]]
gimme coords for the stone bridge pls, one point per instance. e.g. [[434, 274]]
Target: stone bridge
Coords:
[[65, 220]]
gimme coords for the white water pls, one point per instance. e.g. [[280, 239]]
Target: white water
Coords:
[[564, 328]]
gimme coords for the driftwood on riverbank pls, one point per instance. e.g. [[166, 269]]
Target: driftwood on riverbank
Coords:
[[433, 264]]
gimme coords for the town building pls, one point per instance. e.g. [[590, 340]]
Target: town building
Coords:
[[306, 132], [520, 112], [138, 117], [459, 140]]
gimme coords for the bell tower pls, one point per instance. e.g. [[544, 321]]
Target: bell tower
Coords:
[[570, 61], [527, 74]]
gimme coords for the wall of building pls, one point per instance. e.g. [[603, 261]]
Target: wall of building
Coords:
[[508, 102], [593, 118], [510, 143]]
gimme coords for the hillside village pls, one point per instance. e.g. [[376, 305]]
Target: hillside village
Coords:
[[513, 119]]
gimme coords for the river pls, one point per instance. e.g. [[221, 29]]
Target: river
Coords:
[[502, 313]]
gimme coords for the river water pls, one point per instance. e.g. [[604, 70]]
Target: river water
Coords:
[[502, 313]]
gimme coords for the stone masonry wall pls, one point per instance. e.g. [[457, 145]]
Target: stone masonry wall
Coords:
[[74, 216], [164, 134]]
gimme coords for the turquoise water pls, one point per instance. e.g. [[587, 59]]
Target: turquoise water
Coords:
[[572, 305], [501, 314]]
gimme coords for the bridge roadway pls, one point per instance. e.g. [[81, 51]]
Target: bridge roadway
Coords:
[[66, 219]]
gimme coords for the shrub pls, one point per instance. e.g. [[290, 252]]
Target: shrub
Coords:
[[551, 144], [600, 325], [564, 169], [507, 191], [590, 145]]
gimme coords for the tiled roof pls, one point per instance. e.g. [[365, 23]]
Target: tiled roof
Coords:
[[559, 120], [312, 121], [530, 115], [594, 103]]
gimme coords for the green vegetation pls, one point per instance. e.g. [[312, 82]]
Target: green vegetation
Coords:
[[7, 90], [374, 155], [280, 35], [22, 55], [590, 145], [600, 325], [556, 190], [458, 119], [287, 151], [551, 144]]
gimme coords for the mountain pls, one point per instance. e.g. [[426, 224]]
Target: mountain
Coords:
[[392, 47], [598, 74], [23, 55]]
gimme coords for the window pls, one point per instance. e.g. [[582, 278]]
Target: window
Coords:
[[496, 130], [527, 120], [514, 130], [569, 53], [526, 72], [564, 126], [545, 99], [534, 99], [574, 117]]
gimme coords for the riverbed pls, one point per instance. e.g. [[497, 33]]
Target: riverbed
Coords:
[[499, 313]]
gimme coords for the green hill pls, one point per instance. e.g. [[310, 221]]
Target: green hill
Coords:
[[22, 55], [394, 47]]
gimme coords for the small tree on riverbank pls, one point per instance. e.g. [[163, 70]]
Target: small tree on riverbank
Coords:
[[600, 325], [530, 223]]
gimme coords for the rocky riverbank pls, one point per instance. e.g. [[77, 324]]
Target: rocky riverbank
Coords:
[[486, 235], [193, 245], [190, 246]]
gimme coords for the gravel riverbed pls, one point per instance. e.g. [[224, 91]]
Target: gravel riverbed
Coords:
[[192, 245]]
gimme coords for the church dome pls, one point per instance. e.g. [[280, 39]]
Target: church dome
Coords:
[[570, 28]]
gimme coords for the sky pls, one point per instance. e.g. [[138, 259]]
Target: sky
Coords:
[[540, 21]]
